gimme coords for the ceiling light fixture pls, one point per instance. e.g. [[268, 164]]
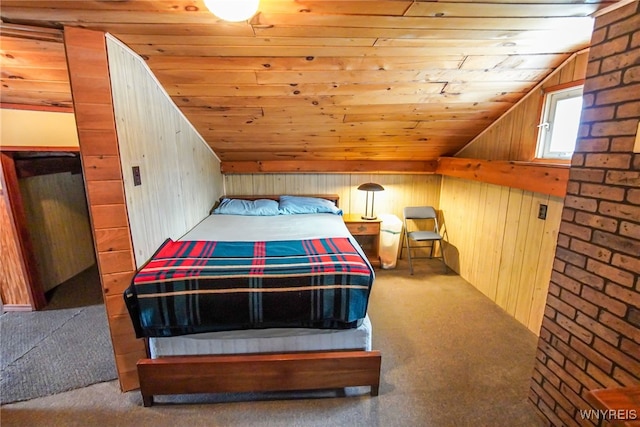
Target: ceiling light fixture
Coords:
[[233, 10]]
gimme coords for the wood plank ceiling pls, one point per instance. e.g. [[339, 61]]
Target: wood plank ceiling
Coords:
[[390, 80]]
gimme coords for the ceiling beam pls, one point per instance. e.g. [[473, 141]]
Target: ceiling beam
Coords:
[[537, 177], [341, 166]]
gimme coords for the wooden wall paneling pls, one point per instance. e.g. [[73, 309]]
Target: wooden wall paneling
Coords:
[[87, 61], [57, 217], [17, 216], [180, 176], [545, 263], [400, 189], [531, 245], [498, 244], [517, 128]]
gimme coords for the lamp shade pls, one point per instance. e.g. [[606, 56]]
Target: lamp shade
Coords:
[[233, 10], [370, 186]]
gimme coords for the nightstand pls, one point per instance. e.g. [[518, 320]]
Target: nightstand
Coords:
[[367, 234]]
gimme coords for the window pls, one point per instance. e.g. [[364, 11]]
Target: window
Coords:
[[560, 122]]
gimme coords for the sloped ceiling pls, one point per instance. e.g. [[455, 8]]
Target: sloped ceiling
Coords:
[[319, 81]]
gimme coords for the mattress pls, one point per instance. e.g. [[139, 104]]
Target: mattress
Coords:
[[274, 340]]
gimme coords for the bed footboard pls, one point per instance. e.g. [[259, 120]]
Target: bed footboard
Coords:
[[258, 372]]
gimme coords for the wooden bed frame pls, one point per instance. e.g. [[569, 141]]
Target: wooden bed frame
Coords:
[[289, 371]]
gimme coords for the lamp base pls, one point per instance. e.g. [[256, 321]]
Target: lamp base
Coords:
[[369, 217]]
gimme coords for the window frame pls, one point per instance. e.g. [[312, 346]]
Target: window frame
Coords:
[[550, 100]]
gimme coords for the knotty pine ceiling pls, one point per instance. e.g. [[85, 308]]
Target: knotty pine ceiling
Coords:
[[389, 80]]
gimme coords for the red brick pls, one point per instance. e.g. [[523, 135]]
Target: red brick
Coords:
[[624, 378], [561, 306], [634, 317], [593, 69], [600, 376], [558, 265], [555, 329], [592, 251], [602, 192], [585, 277], [584, 130], [575, 230], [566, 378], [633, 196], [615, 128], [549, 376], [579, 303], [617, 95], [629, 25], [631, 348], [631, 75], [588, 99], [604, 301], [616, 16], [575, 329], [629, 178], [557, 396], [611, 273], [581, 375], [554, 289], [618, 210], [577, 160], [607, 334], [622, 144], [569, 353], [571, 257], [620, 243], [630, 109], [608, 161], [594, 145], [635, 40], [573, 187], [588, 175], [542, 394], [581, 203], [549, 312], [591, 355], [598, 36], [631, 230], [620, 325], [608, 48], [547, 411], [623, 360], [596, 221], [623, 294], [577, 400], [629, 263]]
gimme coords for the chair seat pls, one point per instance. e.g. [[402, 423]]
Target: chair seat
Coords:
[[424, 235]]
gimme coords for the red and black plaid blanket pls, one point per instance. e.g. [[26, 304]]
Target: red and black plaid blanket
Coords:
[[202, 286]]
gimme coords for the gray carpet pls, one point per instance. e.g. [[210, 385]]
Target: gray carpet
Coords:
[[450, 357], [57, 349]]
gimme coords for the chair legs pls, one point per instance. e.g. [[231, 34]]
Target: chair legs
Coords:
[[442, 257]]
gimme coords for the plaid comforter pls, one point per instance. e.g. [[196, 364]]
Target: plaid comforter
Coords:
[[203, 286]]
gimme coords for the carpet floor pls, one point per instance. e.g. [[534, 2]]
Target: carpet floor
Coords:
[[64, 347], [450, 357]]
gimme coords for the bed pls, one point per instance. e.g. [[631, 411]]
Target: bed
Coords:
[[277, 304]]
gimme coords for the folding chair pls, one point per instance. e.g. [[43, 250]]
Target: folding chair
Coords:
[[421, 225]]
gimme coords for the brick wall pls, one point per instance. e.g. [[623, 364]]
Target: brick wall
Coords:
[[590, 335]]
